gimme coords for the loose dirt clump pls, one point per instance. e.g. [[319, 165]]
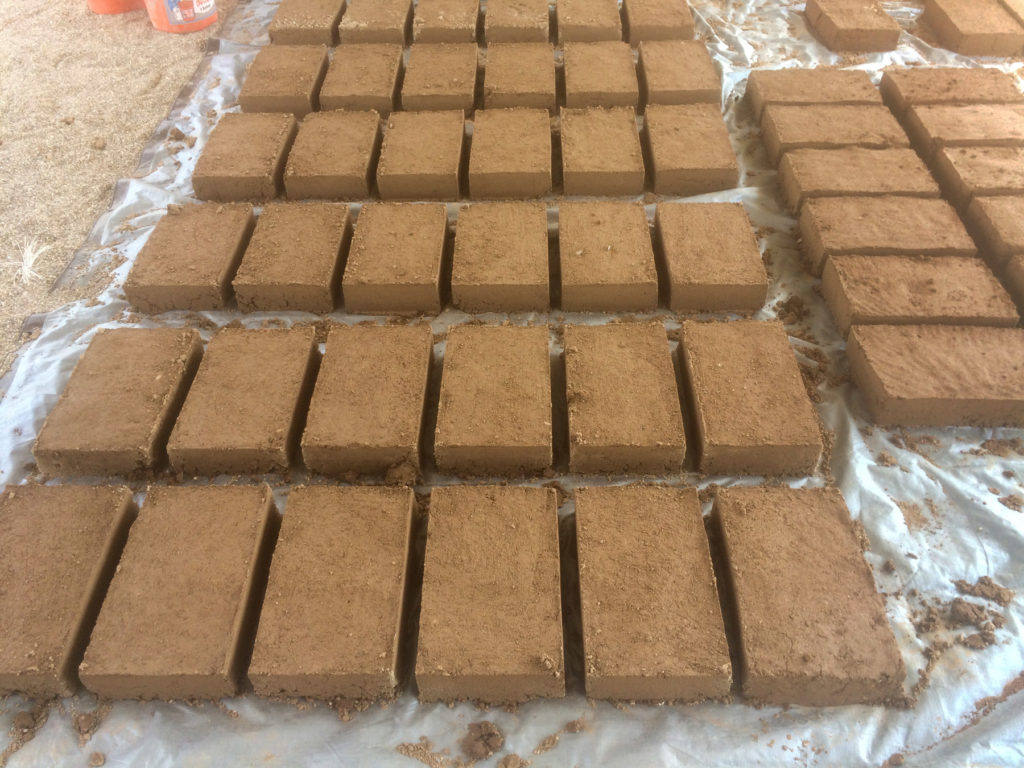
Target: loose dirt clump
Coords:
[[986, 589], [482, 741]]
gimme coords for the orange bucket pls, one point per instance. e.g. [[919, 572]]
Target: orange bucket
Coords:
[[181, 15], [116, 6]]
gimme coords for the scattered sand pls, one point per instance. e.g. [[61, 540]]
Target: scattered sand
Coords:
[[81, 95]]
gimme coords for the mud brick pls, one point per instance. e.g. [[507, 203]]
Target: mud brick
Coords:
[[179, 617], [902, 290], [815, 578], [367, 409], [333, 156], [629, 422], [997, 224], [445, 21], [587, 21], [376, 21], [607, 260], [496, 640], [190, 258], [974, 27], [652, 623], [244, 157], [520, 75], [494, 414], [832, 226], [678, 72], [364, 534], [712, 262], [691, 153], [362, 77], [293, 262], [117, 409], [500, 262], [440, 76], [785, 128], [967, 172], [804, 87], [516, 21], [600, 75], [394, 263], [853, 25], [601, 152], [59, 546], [934, 126], [284, 78], [905, 88], [753, 413], [306, 22], [510, 155], [243, 412], [657, 20], [421, 155], [939, 375]]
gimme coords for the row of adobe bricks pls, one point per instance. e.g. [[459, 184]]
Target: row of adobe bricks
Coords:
[[326, 22], [302, 78], [494, 257], [503, 403], [343, 596], [437, 155]]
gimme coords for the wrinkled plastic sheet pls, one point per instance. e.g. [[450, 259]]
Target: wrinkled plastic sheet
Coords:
[[960, 529]]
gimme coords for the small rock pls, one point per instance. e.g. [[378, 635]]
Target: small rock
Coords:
[[97, 759], [24, 721], [99, 143]]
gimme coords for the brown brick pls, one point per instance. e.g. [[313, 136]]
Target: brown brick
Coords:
[[600, 74], [815, 578], [690, 150], [939, 375], [967, 172], [678, 72], [951, 125], [334, 156], [120, 403], [421, 155], [832, 226], [997, 224], [376, 21], [362, 77], [853, 25], [306, 22], [828, 126], [58, 548], [520, 75], [243, 412], [607, 260], [712, 262], [516, 21], [178, 619], [657, 20], [652, 623], [803, 87], [587, 21], [904, 88], [367, 408], [364, 534], [601, 152], [891, 290], [494, 414], [189, 259], [293, 262], [628, 421], [440, 76], [510, 155], [284, 78], [445, 21], [394, 263], [500, 262], [974, 27], [807, 173], [244, 157], [753, 413], [480, 637]]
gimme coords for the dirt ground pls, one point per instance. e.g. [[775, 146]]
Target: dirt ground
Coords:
[[80, 94]]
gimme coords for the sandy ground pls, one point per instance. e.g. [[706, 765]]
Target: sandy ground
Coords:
[[79, 96]]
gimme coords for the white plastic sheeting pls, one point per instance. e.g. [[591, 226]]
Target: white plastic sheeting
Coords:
[[960, 529]]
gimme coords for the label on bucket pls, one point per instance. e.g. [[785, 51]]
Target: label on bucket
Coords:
[[189, 11]]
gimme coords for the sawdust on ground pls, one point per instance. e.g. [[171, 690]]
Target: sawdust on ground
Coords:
[[81, 93]]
